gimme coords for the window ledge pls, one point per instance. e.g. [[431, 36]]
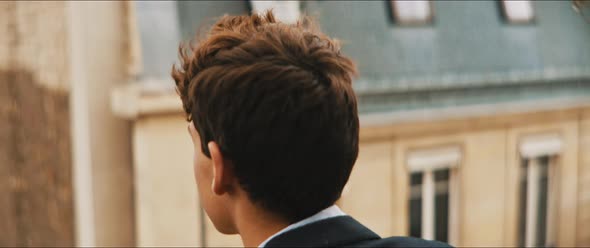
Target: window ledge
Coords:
[[147, 97]]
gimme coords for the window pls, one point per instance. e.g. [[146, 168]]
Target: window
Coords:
[[434, 193], [538, 195], [286, 11], [413, 12], [420, 192], [517, 11]]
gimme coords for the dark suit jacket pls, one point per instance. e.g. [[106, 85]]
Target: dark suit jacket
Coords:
[[343, 231]]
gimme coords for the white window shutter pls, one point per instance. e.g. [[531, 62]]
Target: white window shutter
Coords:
[[540, 145], [434, 158]]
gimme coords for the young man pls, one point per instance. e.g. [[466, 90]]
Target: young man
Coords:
[[273, 118]]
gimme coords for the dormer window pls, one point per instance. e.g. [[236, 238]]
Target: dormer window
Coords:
[[415, 12], [285, 11], [517, 11]]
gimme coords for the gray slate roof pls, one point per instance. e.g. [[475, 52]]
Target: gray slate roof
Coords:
[[469, 55]]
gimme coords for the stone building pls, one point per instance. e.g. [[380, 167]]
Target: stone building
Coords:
[[475, 121]]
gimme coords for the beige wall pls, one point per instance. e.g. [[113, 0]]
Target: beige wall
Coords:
[[379, 189], [369, 188], [35, 38], [488, 174], [568, 177], [165, 194], [482, 185], [168, 211], [36, 203], [583, 235], [377, 192], [480, 178]]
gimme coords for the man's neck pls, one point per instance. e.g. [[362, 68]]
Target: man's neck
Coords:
[[255, 225]]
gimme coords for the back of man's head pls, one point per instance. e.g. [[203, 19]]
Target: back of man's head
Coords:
[[277, 99]]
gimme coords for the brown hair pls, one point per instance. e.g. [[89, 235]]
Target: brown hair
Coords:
[[277, 99]]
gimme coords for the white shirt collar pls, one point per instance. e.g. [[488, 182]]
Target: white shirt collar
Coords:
[[329, 212]]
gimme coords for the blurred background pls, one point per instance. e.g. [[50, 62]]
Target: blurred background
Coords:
[[475, 120]]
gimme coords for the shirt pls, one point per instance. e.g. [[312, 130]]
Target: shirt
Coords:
[[329, 212]]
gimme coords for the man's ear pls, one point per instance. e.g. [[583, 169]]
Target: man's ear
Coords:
[[222, 172]]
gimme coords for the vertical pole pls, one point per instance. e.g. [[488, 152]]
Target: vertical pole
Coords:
[[531, 202], [453, 207], [551, 202], [80, 121], [428, 228]]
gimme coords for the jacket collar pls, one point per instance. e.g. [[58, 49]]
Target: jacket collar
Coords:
[[335, 231]]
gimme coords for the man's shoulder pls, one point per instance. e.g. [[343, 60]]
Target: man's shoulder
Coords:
[[342, 231], [401, 242]]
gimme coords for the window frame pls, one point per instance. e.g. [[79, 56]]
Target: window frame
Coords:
[[532, 149], [427, 161]]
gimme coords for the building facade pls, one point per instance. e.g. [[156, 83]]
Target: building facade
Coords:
[[475, 120], [474, 116]]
